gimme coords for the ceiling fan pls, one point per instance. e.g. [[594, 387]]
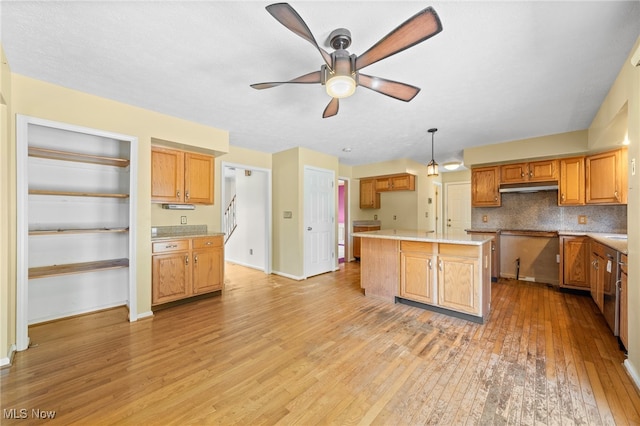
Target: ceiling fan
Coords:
[[340, 74]]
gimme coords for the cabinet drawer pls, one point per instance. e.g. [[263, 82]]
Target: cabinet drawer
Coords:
[[173, 245], [207, 242], [459, 250], [417, 246]]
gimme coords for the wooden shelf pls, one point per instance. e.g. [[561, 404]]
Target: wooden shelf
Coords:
[[62, 231], [53, 154], [76, 194], [77, 268]]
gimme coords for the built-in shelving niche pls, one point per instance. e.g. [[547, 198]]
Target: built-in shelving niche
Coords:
[[76, 217]]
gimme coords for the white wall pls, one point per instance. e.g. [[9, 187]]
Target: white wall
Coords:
[[247, 244]]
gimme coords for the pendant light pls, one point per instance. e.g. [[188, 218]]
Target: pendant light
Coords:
[[432, 167]]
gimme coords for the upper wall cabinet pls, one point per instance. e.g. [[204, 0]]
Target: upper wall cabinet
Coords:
[[571, 185], [537, 171], [181, 177], [399, 182], [485, 185], [606, 177], [369, 197]]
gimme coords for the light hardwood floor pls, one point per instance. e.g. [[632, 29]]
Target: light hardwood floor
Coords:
[[272, 350]]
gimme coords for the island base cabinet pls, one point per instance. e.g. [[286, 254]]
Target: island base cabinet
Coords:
[[458, 284], [416, 272]]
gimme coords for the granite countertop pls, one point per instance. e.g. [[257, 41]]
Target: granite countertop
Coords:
[[160, 233], [367, 223], [424, 236]]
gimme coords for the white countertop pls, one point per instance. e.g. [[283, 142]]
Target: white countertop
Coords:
[[424, 236]]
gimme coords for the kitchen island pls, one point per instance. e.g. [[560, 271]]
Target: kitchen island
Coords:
[[446, 274]]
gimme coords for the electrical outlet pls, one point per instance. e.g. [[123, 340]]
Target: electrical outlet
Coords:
[[183, 220], [375, 217], [426, 214], [394, 217], [582, 219], [250, 251], [485, 218]]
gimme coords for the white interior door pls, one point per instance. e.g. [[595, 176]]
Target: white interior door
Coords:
[[458, 208], [319, 221]]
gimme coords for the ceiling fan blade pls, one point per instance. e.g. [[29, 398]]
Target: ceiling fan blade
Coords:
[[288, 17], [331, 109], [418, 28], [394, 89], [312, 77]]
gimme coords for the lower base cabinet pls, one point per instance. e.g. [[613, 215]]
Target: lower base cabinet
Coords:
[[183, 268], [574, 262], [624, 302], [416, 271], [459, 278]]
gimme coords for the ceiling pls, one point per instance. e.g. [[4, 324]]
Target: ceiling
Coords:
[[499, 71]]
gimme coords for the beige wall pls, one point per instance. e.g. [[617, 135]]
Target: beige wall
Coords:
[[622, 104], [288, 195], [43, 100], [559, 145], [7, 214]]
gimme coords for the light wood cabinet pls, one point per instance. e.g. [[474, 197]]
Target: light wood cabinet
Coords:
[[186, 267], [536, 171], [624, 302], [208, 264], [181, 177], [597, 273], [571, 188], [417, 266], [399, 182], [606, 177], [495, 251], [357, 240], [485, 185], [369, 197], [574, 262], [459, 278]]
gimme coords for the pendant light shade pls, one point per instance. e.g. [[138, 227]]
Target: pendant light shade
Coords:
[[432, 167]]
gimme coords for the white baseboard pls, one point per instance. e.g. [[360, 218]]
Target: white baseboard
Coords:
[[633, 373], [7, 360], [143, 315], [247, 265], [293, 277]]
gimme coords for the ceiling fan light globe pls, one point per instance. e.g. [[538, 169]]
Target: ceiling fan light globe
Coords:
[[340, 86]]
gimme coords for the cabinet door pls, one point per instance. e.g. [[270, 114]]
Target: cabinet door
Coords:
[[541, 171], [404, 182], [207, 270], [624, 302], [457, 281], [369, 198], [574, 262], [198, 185], [596, 279], [383, 184], [606, 178], [485, 183], [171, 277], [167, 175], [416, 276], [571, 186], [514, 173]]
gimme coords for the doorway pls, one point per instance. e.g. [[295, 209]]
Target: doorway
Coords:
[[343, 220], [246, 215]]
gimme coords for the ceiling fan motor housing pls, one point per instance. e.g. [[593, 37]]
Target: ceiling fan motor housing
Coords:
[[340, 38], [343, 64]]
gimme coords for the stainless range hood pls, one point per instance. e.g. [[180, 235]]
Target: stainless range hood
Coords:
[[529, 187]]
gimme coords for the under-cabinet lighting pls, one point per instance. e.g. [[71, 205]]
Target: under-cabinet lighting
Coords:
[[179, 206]]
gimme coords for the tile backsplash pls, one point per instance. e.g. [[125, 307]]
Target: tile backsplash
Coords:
[[540, 211]]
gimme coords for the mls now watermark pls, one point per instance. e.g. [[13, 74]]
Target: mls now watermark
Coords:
[[23, 413]]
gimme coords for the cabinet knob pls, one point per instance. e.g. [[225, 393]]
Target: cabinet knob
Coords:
[[186, 195], [195, 259], [430, 264], [440, 265], [615, 194], [521, 174], [186, 260], [171, 246], [495, 198], [177, 194], [562, 197]]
